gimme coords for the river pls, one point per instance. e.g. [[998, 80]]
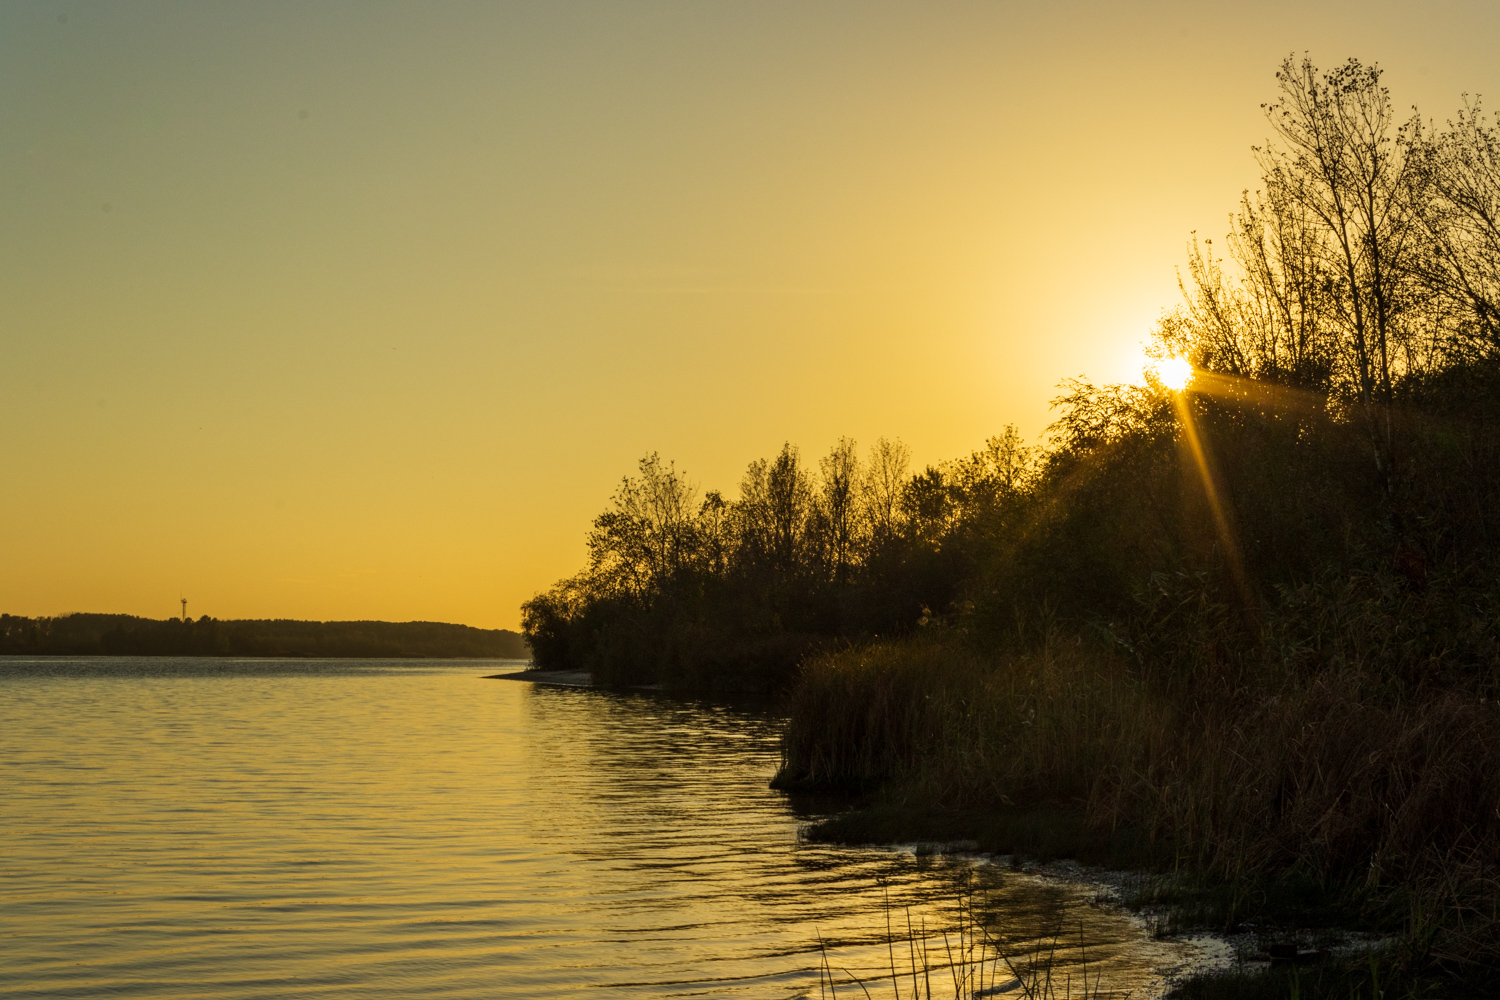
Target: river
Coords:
[[217, 828]]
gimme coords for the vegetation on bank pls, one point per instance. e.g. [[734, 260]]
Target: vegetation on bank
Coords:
[[128, 635], [1248, 628]]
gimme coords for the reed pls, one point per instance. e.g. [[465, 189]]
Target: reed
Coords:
[[971, 965], [1278, 784]]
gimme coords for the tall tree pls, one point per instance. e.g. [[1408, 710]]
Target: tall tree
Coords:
[[775, 501], [1343, 167], [840, 499], [1461, 168], [649, 533], [885, 476]]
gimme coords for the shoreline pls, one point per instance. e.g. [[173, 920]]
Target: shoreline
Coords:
[[566, 678], [1334, 952], [551, 678]]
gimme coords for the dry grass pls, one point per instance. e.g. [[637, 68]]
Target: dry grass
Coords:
[[967, 961], [1332, 775]]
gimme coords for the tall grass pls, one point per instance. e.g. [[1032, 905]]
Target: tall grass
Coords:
[[967, 963], [1245, 770]]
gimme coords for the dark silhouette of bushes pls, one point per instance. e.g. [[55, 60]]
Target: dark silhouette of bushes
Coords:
[[720, 594]]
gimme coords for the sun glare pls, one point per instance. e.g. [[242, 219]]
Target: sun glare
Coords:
[[1174, 373]]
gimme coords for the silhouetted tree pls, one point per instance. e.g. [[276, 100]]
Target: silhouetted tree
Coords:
[[885, 477], [1344, 168], [773, 510], [1460, 167], [649, 534], [839, 498]]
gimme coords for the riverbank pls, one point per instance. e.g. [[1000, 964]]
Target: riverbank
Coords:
[[576, 679], [1302, 941], [551, 678], [1275, 798]]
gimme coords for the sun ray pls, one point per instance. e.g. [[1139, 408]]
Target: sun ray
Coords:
[[1222, 524]]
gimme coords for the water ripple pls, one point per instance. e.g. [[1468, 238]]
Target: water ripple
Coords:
[[242, 829]]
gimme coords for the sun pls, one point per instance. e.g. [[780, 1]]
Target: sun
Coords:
[[1174, 373]]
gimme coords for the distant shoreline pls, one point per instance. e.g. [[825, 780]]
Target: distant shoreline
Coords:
[[127, 635], [256, 656]]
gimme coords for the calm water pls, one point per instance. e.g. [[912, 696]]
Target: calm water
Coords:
[[223, 828]]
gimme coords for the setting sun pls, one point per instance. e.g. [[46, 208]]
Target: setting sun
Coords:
[[1174, 373]]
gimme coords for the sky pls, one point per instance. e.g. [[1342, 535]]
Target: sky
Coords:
[[361, 310]]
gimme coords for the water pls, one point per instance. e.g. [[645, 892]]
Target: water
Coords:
[[240, 828]]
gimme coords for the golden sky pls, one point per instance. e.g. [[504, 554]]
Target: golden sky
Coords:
[[358, 310]]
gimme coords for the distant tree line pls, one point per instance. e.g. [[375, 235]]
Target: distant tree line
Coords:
[[121, 635], [1339, 448]]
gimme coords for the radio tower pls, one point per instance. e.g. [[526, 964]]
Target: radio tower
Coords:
[[184, 608]]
